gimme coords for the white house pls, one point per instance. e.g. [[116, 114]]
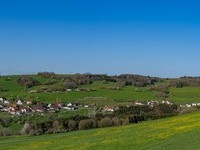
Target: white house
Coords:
[[19, 102], [70, 104], [6, 102], [194, 104], [1, 99], [188, 105]]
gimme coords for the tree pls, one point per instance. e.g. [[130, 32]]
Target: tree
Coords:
[[70, 85], [119, 85], [105, 122], [27, 128], [72, 125], [116, 121], [5, 122], [27, 82], [57, 126], [87, 124], [6, 132]]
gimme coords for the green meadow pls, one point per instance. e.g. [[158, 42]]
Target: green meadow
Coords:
[[101, 93], [180, 132], [185, 94]]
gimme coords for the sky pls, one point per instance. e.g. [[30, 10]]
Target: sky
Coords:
[[147, 37]]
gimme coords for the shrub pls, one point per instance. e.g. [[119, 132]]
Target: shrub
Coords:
[[105, 122], [57, 126], [87, 124], [116, 121], [27, 82], [32, 132], [5, 122], [27, 128], [72, 125], [70, 85], [6, 132], [124, 121]]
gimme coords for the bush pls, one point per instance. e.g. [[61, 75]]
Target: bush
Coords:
[[32, 132], [105, 122], [47, 74], [6, 132], [116, 121], [72, 125], [70, 85], [57, 126], [87, 124], [27, 82], [5, 122], [27, 128], [124, 121]]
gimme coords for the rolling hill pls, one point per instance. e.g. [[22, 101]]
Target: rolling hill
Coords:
[[180, 132]]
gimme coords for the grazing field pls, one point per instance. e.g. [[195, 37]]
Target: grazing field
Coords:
[[113, 97], [101, 93], [185, 94], [180, 132]]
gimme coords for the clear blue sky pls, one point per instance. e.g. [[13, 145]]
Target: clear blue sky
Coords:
[[149, 37]]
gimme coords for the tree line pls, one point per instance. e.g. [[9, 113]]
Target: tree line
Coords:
[[121, 116]]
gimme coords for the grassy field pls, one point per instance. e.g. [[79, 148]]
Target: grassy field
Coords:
[[112, 97], [185, 94], [180, 132], [103, 93]]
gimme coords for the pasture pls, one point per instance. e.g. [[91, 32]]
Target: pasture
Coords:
[[180, 132]]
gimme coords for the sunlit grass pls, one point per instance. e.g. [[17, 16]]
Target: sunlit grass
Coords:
[[169, 133]]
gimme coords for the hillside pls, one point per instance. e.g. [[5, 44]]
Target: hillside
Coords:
[[180, 132], [104, 90], [97, 89]]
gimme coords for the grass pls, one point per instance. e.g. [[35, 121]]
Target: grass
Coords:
[[185, 94], [127, 94], [180, 132], [105, 91]]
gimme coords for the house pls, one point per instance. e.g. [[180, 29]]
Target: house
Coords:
[[69, 108], [138, 104], [188, 105], [86, 106], [194, 104], [29, 102], [14, 110], [77, 90], [32, 91], [52, 110], [166, 102], [49, 105], [70, 104], [6, 102], [19, 102], [108, 108], [24, 110], [38, 108], [2, 99], [1, 108]]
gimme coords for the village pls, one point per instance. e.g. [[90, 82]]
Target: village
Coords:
[[30, 107]]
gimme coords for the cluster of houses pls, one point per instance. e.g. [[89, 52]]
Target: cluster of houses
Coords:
[[190, 105], [19, 107], [149, 103], [152, 103]]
